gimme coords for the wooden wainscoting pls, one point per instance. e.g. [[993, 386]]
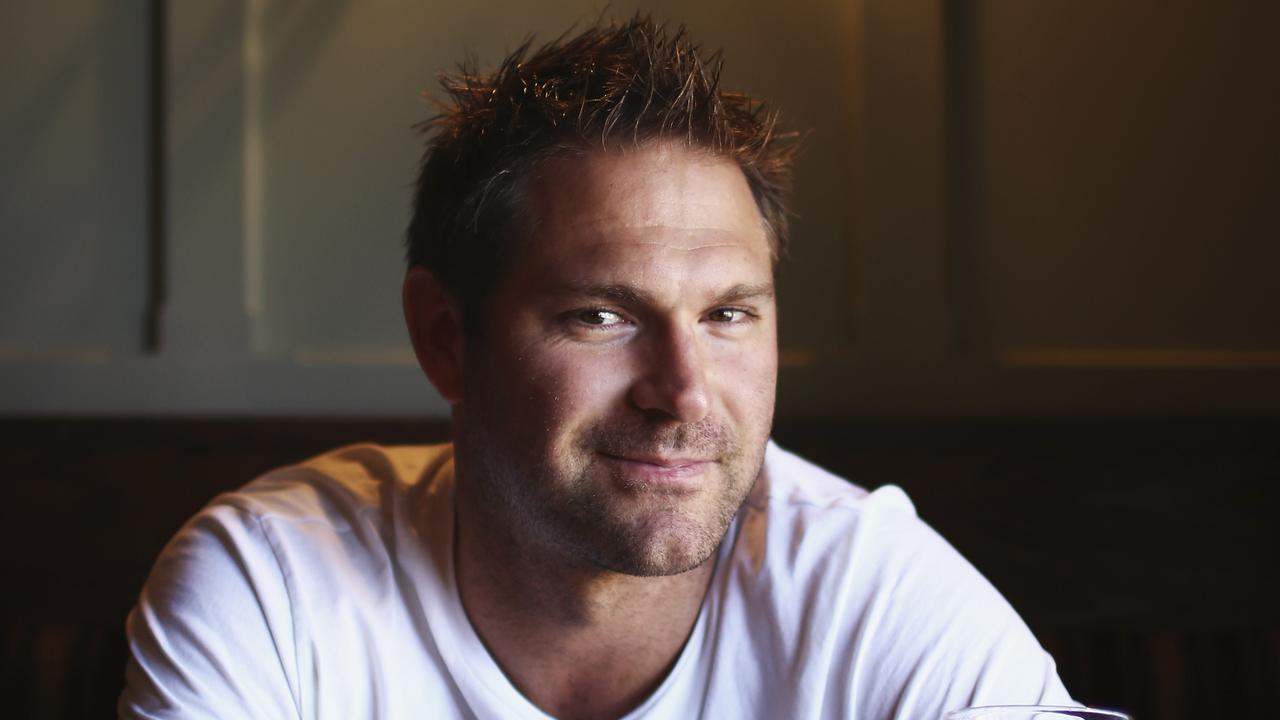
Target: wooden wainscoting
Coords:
[[1141, 552]]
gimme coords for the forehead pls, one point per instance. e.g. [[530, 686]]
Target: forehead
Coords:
[[660, 184], [661, 211]]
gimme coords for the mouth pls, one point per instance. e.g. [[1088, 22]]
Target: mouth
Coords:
[[643, 470]]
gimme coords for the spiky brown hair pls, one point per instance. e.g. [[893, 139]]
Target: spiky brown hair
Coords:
[[608, 87]]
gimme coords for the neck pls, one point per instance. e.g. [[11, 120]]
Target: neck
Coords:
[[577, 641]]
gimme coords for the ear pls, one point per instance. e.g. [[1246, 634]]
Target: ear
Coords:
[[435, 329]]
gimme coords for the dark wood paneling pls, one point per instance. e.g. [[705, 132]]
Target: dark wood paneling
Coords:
[[1141, 552]]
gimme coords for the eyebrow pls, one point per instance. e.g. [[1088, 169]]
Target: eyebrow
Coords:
[[743, 291], [629, 294]]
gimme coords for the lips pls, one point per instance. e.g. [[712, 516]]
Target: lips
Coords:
[[642, 470], [658, 460]]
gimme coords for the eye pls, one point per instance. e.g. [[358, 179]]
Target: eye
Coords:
[[599, 317], [728, 315]]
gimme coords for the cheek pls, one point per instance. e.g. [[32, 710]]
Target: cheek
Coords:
[[571, 387], [749, 389], [750, 367], [748, 376]]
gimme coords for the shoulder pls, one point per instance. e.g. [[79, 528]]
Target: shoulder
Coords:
[[333, 520], [815, 551], [820, 531], [339, 485], [806, 509], [293, 534], [292, 513], [789, 480], [282, 575]]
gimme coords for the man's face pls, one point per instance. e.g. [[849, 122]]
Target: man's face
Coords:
[[616, 407]]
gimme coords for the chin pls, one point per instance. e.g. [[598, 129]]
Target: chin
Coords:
[[658, 563], [663, 545]]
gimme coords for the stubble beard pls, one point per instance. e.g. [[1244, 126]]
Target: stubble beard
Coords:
[[570, 505]]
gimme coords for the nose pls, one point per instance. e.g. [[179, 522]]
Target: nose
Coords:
[[674, 378]]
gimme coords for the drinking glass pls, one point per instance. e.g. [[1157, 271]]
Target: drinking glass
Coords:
[[1034, 712]]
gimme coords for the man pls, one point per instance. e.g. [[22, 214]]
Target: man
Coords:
[[611, 533]]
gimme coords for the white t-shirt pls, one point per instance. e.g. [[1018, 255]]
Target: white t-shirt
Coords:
[[326, 590]]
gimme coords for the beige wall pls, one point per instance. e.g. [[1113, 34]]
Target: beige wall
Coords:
[[1005, 208]]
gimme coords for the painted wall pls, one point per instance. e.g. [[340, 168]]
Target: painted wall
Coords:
[[1005, 208]]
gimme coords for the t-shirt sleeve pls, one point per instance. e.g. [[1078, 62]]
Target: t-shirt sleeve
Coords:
[[212, 634], [948, 639]]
